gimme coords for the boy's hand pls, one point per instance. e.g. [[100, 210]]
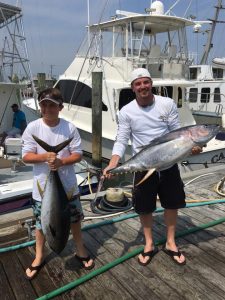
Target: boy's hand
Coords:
[[53, 161]]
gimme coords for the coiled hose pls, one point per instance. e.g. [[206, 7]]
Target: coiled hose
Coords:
[[101, 206]]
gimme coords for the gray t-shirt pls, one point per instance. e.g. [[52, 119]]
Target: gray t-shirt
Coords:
[[52, 136]]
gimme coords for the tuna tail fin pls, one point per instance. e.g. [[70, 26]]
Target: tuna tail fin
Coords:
[[49, 148], [150, 172]]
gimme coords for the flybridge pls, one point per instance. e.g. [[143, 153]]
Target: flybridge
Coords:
[[147, 40]]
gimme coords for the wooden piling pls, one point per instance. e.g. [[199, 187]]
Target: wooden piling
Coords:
[[41, 77], [97, 119]]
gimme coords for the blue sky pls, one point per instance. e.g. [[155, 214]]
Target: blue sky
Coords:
[[54, 28]]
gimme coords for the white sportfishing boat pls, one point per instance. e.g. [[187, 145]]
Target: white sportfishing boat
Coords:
[[206, 98], [16, 182], [154, 40]]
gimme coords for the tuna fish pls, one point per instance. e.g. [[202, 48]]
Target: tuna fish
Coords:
[[55, 212], [167, 150]]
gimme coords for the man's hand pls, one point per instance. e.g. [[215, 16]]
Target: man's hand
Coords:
[[196, 150], [112, 164], [107, 175]]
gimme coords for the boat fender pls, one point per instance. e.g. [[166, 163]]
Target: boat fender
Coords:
[[223, 120], [1, 151], [114, 194]]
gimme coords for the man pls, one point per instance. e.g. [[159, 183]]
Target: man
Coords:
[[18, 126], [53, 130], [143, 119]]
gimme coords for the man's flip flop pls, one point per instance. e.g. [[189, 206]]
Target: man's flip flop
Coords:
[[85, 259], [149, 254], [171, 254], [35, 268]]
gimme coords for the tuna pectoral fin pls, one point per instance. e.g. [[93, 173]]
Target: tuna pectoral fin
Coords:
[[146, 176], [41, 192]]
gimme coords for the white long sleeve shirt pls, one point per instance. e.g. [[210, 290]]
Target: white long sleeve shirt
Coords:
[[143, 124]]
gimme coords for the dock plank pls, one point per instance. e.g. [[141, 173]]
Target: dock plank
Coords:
[[20, 287], [135, 238], [5, 288], [123, 271], [203, 277]]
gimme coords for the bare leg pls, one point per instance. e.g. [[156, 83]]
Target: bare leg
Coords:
[[171, 221], [40, 242], [77, 236], [146, 222]]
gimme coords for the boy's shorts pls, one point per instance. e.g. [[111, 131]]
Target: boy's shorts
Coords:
[[166, 184], [76, 212]]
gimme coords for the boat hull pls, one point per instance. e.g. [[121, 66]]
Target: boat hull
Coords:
[[207, 118]]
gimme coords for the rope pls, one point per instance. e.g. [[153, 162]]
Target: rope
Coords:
[[218, 186]]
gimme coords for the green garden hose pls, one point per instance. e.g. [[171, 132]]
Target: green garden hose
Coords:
[[111, 221]]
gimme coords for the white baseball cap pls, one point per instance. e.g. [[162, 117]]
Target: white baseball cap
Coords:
[[139, 73], [50, 98]]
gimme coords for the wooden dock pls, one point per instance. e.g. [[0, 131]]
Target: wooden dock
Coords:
[[203, 277]]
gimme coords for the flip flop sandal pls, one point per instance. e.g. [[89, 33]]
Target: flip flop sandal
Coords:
[[85, 259], [171, 254], [35, 268], [149, 254]]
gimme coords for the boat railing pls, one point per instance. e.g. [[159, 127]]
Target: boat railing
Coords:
[[174, 68], [155, 56], [219, 109]]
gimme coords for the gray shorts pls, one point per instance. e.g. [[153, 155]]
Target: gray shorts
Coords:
[[76, 212]]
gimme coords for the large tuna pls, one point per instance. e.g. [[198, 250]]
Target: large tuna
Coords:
[[167, 150], [55, 212]]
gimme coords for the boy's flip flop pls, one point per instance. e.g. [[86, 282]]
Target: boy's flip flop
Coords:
[[35, 268]]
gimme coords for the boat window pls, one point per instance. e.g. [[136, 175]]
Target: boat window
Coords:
[[193, 73], [126, 96], [217, 73], [165, 91], [193, 95], [217, 95], [77, 93], [205, 95], [179, 102]]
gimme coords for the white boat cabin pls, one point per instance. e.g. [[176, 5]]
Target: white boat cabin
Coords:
[[154, 40], [207, 95]]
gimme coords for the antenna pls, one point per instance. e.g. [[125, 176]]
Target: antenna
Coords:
[[88, 12], [210, 36]]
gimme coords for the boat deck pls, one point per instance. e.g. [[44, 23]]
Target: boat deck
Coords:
[[203, 277]]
